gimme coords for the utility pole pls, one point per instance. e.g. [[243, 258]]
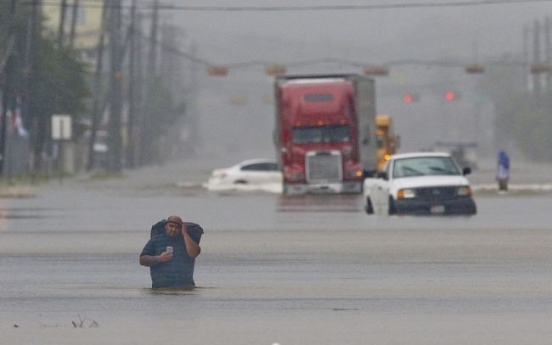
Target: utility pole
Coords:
[[152, 58], [32, 74], [96, 113], [61, 27], [7, 91], [139, 94], [132, 108], [74, 17], [114, 135], [146, 144], [526, 55], [536, 60], [168, 68], [192, 110], [547, 56]]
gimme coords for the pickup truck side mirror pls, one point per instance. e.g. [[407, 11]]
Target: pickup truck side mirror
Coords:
[[466, 171]]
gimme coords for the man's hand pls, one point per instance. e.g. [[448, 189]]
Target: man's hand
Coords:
[[165, 256], [184, 230], [192, 248], [149, 261]]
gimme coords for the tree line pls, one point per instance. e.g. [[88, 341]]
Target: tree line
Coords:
[[43, 75]]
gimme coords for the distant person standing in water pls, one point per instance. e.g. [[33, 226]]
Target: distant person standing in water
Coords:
[[503, 170], [171, 254]]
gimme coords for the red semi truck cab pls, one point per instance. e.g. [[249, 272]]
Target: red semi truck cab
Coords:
[[324, 127]]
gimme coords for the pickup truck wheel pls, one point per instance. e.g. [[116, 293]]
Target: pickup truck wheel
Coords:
[[392, 209], [369, 208]]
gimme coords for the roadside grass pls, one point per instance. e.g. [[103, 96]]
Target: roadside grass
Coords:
[[17, 186], [18, 191], [100, 175], [26, 185]]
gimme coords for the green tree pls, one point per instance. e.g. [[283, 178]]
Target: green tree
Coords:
[[63, 86], [59, 75]]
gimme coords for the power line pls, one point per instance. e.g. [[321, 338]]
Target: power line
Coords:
[[310, 62], [440, 4], [253, 63], [349, 7]]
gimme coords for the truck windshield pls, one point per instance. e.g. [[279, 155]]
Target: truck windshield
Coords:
[[321, 134], [380, 140], [423, 166]]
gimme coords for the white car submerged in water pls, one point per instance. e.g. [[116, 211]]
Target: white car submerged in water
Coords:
[[251, 174], [419, 183]]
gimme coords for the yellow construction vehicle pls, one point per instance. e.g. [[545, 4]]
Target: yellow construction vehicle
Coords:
[[388, 141]]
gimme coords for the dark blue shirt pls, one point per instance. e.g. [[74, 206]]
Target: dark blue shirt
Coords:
[[175, 273]]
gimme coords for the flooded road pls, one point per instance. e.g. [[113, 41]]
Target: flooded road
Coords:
[[301, 270]]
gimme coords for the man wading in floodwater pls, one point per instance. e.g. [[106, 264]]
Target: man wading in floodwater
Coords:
[[171, 254]]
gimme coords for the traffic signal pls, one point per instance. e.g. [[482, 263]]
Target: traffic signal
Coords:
[[272, 70], [217, 71], [475, 69], [376, 71], [410, 98], [237, 100], [451, 96], [539, 68]]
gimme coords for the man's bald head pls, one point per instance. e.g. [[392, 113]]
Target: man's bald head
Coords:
[[175, 219], [174, 226]]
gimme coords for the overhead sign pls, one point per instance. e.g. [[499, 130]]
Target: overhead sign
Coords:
[[61, 127]]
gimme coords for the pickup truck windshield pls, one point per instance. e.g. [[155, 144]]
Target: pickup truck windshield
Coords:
[[321, 134], [421, 166]]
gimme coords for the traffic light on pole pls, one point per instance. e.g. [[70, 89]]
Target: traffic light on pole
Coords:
[[540, 68], [272, 70], [410, 98], [475, 69], [217, 71], [376, 71], [451, 96]]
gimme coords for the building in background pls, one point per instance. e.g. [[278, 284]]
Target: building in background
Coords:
[[82, 31]]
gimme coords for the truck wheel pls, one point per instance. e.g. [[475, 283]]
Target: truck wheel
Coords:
[[368, 207], [392, 209]]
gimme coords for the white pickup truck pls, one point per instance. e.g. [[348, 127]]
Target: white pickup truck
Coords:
[[420, 183]]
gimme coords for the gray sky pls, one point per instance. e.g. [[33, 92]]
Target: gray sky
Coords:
[[375, 35], [465, 34]]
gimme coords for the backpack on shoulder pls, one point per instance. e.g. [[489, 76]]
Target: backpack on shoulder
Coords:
[[194, 230]]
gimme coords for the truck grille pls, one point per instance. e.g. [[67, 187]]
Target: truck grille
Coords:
[[323, 166], [436, 193]]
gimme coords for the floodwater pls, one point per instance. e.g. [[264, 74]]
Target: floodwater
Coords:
[[299, 270]]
